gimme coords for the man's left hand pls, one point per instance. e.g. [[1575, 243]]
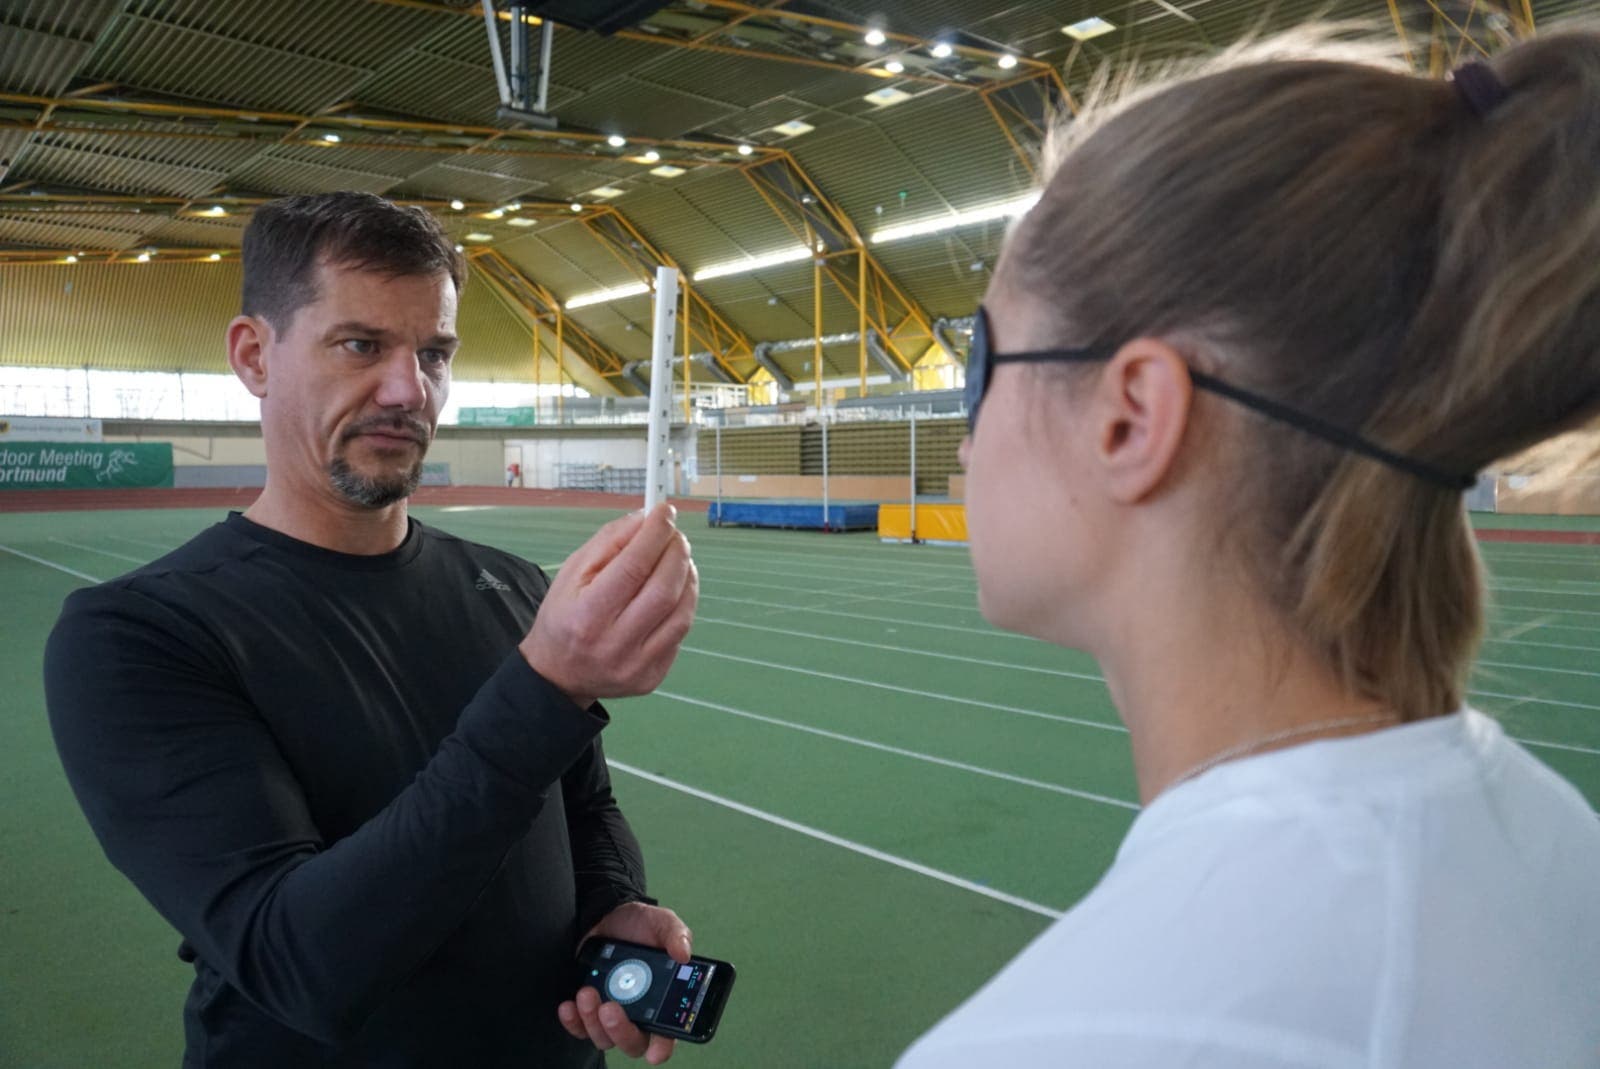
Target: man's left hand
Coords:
[[604, 1023]]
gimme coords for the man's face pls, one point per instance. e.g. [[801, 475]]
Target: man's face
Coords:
[[356, 382]]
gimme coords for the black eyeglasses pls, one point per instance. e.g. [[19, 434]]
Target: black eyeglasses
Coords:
[[980, 370], [981, 362]]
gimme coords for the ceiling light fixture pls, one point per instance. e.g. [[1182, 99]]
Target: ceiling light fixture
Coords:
[[72, 259], [894, 66], [332, 139], [1007, 61], [577, 207], [942, 50], [458, 204], [214, 257], [666, 170], [887, 96], [615, 293], [143, 258], [745, 150], [875, 37], [1003, 209], [753, 263], [616, 141], [1087, 29], [216, 209], [652, 156]]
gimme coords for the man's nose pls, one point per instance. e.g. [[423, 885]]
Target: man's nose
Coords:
[[403, 384]]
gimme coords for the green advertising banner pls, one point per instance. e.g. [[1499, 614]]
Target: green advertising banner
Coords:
[[84, 466], [498, 417]]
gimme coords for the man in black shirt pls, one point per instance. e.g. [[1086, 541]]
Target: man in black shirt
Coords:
[[353, 760]]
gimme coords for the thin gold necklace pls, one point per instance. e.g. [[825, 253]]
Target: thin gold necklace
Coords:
[[1253, 745]]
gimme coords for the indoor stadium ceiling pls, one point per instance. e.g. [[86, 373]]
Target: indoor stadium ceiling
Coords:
[[132, 127]]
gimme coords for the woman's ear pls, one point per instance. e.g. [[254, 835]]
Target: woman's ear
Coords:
[[1142, 410], [248, 337]]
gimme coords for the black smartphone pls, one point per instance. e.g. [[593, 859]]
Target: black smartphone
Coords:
[[657, 993]]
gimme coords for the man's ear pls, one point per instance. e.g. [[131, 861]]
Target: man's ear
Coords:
[[248, 338], [1142, 410]]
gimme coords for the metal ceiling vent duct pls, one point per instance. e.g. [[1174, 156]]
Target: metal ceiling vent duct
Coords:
[[525, 83]]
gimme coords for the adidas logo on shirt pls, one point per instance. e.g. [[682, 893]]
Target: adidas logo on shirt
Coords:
[[489, 582]]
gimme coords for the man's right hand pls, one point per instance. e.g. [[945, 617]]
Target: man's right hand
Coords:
[[613, 619]]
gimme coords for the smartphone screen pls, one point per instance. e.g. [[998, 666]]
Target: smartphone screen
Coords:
[[657, 993]]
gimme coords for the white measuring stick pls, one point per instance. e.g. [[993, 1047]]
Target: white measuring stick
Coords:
[[664, 328]]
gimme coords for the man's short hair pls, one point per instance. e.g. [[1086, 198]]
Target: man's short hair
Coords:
[[289, 237]]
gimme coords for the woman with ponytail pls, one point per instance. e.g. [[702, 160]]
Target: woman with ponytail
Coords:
[[1236, 368]]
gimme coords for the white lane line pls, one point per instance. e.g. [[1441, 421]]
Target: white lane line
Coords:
[[1501, 587], [1037, 714], [1523, 699], [915, 755], [836, 840], [144, 542], [1064, 673], [1539, 668], [1546, 645], [51, 564], [102, 552], [986, 632]]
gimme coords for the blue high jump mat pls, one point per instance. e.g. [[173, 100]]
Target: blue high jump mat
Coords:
[[809, 516]]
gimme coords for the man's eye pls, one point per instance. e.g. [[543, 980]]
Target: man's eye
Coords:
[[435, 357], [361, 346]]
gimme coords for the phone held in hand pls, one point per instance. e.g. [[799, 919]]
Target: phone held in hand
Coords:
[[659, 994]]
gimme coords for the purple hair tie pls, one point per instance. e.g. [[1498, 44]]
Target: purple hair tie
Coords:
[[1480, 87]]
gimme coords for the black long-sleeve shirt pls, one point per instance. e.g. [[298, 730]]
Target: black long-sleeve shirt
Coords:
[[378, 831]]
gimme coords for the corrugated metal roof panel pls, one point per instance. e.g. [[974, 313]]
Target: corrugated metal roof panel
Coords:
[[72, 315], [269, 174], [146, 142], [79, 19], [577, 247], [58, 164], [586, 61], [535, 256], [372, 161], [13, 143], [48, 231], [945, 152], [421, 83], [152, 55], [495, 345], [712, 219], [350, 34], [739, 81], [37, 63], [529, 168], [199, 233], [79, 314], [443, 180], [629, 106]]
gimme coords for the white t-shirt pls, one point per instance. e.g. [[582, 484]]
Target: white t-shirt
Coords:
[[1424, 897]]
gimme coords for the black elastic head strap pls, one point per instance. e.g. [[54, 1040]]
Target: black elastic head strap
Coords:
[[1479, 87], [1318, 428], [1336, 435]]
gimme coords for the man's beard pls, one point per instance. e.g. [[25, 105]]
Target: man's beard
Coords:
[[372, 491]]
